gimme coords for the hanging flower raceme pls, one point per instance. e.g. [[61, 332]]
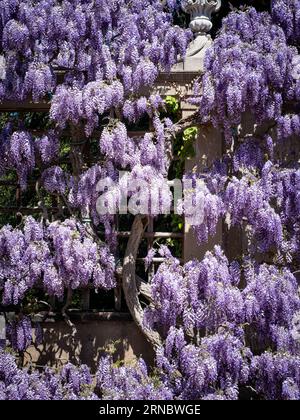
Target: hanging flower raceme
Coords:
[[212, 370], [202, 208], [72, 383], [78, 259], [205, 294], [118, 147], [247, 200], [47, 147], [62, 255], [147, 189], [16, 36], [248, 156], [129, 382], [105, 52], [20, 334], [271, 300], [20, 155], [288, 125], [39, 81], [247, 69], [276, 376], [286, 14], [169, 294], [55, 180], [86, 192]]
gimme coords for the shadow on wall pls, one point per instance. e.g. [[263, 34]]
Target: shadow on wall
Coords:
[[88, 345]]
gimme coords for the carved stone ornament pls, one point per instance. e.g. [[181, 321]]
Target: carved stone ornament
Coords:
[[201, 12]]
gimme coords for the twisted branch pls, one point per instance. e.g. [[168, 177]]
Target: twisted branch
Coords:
[[129, 279]]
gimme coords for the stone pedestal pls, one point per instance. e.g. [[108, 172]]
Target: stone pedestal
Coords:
[[194, 60], [201, 12], [208, 146]]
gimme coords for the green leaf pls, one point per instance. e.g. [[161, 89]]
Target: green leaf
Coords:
[[172, 104], [187, 150]]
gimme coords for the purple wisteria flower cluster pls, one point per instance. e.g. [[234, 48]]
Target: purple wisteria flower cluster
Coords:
[[22, 152], [92, 60], [54, 257], [109, 50], [286, 13], [22, 333], [209, 294], [130, 382], [20, 384], [17, 152], [249, 68], [263, 197], [242, 319]]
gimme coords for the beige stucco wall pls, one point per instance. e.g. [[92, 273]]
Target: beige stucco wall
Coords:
[[89, 343], [208, 148]]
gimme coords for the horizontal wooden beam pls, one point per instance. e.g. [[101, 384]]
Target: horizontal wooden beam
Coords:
[[181, 78], [158, 260], [86, 316], [26, 210], [24, 106], [172, 235]]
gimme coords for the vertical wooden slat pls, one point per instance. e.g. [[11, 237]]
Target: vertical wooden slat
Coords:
[[150, 243], [118, 295], [2, 331], [18, 197], [52, 302], [85, 299], [118, 288]]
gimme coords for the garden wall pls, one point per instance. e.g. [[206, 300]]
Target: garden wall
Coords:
[[89, 342]]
